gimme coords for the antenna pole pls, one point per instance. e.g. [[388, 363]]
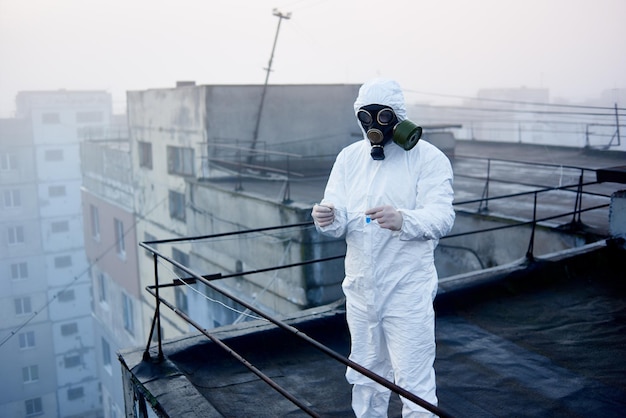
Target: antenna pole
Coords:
[[617, 126], [280, 16]]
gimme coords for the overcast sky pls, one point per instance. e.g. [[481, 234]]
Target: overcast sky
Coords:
[[435, 48]]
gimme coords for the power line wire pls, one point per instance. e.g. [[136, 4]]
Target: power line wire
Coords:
[[74, 280], [520, 102]]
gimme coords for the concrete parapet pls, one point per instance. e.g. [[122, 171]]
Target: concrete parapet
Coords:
[[617, 214]]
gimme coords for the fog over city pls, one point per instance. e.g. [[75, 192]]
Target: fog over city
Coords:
[[444, 53], [436, 49]]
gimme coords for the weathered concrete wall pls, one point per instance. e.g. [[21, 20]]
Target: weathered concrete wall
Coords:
[[210, 120], [445, 141], [309, 122], [617, 214], [494, 248], [214, 210]]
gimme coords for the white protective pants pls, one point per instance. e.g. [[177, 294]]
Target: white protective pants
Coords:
[[397, 344]]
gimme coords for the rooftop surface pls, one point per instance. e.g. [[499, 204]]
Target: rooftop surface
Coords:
[[545, 339], [541, 339]]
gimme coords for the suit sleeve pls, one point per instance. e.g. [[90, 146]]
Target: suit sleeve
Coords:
[[335, 193], [433, 216]]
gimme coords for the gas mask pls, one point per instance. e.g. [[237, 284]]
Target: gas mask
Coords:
[[381, 126]]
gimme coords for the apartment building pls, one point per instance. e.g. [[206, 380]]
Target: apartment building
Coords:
[[46, 322]]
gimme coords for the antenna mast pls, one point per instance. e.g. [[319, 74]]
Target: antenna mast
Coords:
[[280, 16]]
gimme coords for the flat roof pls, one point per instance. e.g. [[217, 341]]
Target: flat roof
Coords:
[[530, 339], [519, 172], [540, 339]]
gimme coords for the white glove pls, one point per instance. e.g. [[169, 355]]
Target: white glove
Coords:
[[387, 216], [323, 215]]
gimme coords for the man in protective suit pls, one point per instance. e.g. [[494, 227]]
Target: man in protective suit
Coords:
[[391, 196]]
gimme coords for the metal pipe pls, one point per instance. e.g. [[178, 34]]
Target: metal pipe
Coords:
[[238, 357], [531, 244], [617, 126], [366, 372], [485, 195], [548, 218], [578, 202], [505, 196], [222, 234], [157, 315]]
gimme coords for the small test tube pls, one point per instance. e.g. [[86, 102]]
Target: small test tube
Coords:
[[368, 219]]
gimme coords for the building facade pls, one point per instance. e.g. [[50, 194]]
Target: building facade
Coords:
[[191, 144], [152, 185], [111, 248], [47, 297]]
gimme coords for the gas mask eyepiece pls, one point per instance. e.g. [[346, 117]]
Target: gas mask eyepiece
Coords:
[[380, 124], [377, 121]]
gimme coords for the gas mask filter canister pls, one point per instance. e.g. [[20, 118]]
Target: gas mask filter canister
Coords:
[[406, 134], [380, 124]]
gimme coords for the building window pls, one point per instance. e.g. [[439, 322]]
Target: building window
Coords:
[[177, 205], [66, 295], [15, 235], [50, 118], [27, 340], [147, 238], [95, 222], [179, 292], [54, 155], [62, 261], [30, 374], [59, 226], [69, 329], [72, 361], [181, 299], [181, 258], [8, 162], [120, 245], [114, 411], [106, 354], [33, 407], [180, 161], [145, 154], [102, 287], [12, 198], [19, 271], [89, 117], [56, 191], [75, 393], [128, 314], [22, 306]]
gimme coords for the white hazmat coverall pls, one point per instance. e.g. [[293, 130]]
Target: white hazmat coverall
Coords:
[[390, 277]]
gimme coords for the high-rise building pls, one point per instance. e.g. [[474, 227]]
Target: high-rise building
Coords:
[[46, 325]]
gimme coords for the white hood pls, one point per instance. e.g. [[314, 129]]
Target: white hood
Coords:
[[384, 92]]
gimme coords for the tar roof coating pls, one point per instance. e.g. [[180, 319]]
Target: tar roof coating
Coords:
[[541, 339]]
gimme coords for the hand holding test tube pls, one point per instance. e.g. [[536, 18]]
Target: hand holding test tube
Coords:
[[323, 215], [387, 216]]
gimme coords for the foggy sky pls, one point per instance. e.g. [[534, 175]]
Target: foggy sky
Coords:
[[440, 47]]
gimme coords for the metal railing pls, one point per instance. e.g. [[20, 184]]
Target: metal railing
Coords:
[[206, 280], [247, 161]]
